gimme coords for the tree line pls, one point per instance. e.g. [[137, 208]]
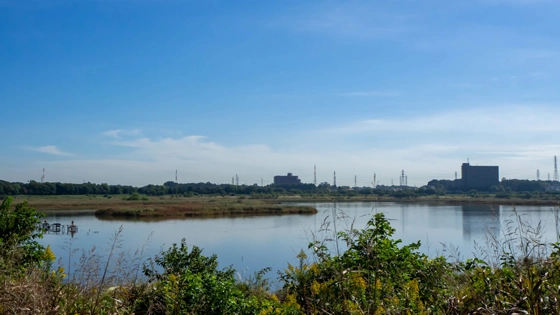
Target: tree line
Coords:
[[507, 188]]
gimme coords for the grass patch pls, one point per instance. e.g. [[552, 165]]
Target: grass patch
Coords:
[[167, 206]]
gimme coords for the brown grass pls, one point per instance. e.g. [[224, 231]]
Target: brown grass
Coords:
[[165, 206]]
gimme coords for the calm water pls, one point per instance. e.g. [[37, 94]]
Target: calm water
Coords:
[[253, 243]]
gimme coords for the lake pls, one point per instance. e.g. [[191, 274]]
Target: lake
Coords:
[[256, 242]]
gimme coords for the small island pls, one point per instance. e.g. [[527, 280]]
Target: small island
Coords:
[[142, 206]]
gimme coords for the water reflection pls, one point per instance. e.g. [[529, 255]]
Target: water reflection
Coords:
[[175, 218], [480, 221], [251, 243]]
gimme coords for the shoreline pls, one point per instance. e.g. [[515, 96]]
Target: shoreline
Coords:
[[452, 200]]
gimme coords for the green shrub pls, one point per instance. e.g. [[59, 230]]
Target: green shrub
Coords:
[[134, 196], [18, 233], [187, 282], [374, 275]]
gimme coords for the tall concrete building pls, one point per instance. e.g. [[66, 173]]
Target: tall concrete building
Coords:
[[479, 177], [286, 180]]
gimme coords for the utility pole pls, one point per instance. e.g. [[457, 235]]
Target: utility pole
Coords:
[[315, 175], [555, 178]]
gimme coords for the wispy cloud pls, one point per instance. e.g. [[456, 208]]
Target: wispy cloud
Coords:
[[516, 119], [539, 75], [465, 85], [350, 20], [370, 93], [516, 2], [531, 54], [119, 133], [49, 149]]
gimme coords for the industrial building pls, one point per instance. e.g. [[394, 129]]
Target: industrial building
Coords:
[[479, 177], [286, 180]]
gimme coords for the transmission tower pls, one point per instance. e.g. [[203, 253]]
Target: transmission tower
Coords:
[[315, 175], [538, 175], [455, 175], [334, 179], [43, 176], [402, 179], [355, 180], [555, 176], [374, 180], [176, 176]]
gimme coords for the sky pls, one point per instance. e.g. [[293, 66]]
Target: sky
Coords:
[[131, 91]]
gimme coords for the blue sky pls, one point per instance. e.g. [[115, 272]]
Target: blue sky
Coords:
[[128, 91]]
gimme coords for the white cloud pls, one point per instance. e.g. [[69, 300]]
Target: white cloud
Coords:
[[520, 139], [119, 133], [49, 149]]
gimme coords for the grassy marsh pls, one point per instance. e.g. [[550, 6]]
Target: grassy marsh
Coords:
[[165, 206]]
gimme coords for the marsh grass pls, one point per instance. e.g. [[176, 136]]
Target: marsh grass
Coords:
[[85, 282], [164, 206]]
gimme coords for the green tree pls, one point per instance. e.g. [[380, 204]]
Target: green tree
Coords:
[[18, 234]]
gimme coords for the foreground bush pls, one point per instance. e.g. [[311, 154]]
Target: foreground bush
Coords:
[[372, 276], [192, 283]]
